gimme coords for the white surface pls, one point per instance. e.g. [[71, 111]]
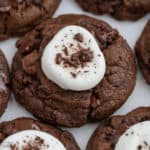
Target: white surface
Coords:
[[87, 77], [137, 135], [23, 138], [140, 96]]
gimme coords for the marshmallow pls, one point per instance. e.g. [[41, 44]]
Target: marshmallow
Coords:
[[37, 139], [137, 137], [73, 59]]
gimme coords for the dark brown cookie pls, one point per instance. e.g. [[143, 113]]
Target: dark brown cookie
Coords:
[[20, 16], [120, 9], [142, 50], [107, 134], [4, 83], [22, 124], [49, 102]]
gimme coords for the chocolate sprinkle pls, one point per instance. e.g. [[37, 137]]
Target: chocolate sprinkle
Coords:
[[77, 59], [74, 75], [58, 59], [65, 50], [71, 45], [79, 37], [86, 71], [145, 143], [35, 144]]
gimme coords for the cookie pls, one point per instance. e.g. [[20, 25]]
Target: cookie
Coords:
[[120, 9], [72, 70], [4, 83], [142, 50], [25, 133], [20, 16], [116, 129]]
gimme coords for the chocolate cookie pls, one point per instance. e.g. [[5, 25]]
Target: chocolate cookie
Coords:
[[109, 132], [33, 134], [50, 102], [120, 9], [20, 16], [142, 50], [4, 83]]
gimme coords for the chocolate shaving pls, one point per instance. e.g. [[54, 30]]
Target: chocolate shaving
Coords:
[[58, 59], [78, 37], [65, 50], [77, 59], [71, 45], [35, 144]]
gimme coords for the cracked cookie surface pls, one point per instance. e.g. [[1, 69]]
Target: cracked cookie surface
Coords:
[[20, 16], [120, 9], [52, 104]]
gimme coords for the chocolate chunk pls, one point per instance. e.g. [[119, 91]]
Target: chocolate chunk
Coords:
[[85, 55], [65, 50], [79, 37], [58, 59], [34, 144], [78, 59]]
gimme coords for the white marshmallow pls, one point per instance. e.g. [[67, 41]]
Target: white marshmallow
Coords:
[[86, 77], [137, 137], [23, 137]]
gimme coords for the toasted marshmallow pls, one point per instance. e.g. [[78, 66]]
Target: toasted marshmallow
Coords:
[[137, 137], [73, 59], [31, 139]]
